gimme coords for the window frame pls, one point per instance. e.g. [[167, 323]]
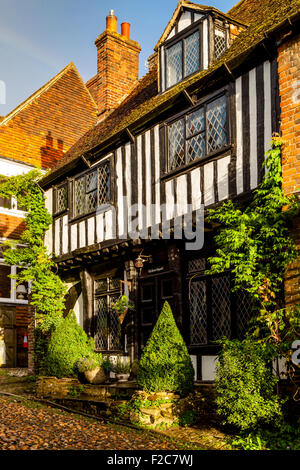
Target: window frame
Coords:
[[211, 345], [222, 28], [108, 294], [184, 114], [104, 207], [13, 285], [56, 188], [181, 36]]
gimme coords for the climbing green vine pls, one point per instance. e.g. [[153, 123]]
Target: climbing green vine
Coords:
[[253, 242], [29, 253]]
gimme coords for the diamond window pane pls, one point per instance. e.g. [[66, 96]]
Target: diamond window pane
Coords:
[[195, 148], [79, 196], [192, 63], [104, 184], [101, 285], [115, 328], [101, 333], [176, 144], [91, 201], [220, 42], [221, 318], [114, 283], [174, 64], [195, 122], [244, 309], [197, 264], [61, 199], [91, 181], [216, 124], [198, 313]]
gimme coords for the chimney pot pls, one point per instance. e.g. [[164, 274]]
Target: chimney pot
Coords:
[[111, 22], [125, 30]]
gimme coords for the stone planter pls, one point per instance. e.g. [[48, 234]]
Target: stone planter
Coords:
[[95, 376], [165, 413], [122, 377]]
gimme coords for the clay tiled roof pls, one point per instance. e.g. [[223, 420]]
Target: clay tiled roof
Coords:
[[47, 124], [145, 101]]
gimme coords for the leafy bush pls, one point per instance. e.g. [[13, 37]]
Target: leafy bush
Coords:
[[165, 364], [245, 385], [68, 344], [285, 438]]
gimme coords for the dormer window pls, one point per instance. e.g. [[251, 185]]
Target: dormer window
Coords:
[[220, 41], [182, 58]]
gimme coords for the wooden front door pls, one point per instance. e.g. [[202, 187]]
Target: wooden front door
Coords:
[[153, 292]]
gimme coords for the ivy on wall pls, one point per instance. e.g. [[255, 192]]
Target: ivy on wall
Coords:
[[254, 244], [29, 253]]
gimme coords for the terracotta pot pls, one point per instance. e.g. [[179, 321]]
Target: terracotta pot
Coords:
[[122, 377], [95, 376]]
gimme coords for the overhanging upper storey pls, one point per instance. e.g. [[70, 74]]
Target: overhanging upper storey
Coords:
[[195, 36]]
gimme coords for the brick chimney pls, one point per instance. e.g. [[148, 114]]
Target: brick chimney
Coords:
[[117, 65]]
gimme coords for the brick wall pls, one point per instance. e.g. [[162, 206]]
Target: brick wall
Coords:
[[289, 90], [118, 69]]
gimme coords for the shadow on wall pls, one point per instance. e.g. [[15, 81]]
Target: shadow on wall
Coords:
[[49, 154]]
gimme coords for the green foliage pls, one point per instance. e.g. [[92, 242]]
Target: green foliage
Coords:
[[285, 438], [122, 366], [75, 392], [245, 385], [68, 344], [254, 244], [89, 363], [187, 418], [165, 364], [122, 304], [47, 289]]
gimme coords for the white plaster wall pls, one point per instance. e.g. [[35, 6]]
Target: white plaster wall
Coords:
[[208, 367]]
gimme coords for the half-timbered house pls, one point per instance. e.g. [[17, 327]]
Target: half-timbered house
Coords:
[[190, 134]]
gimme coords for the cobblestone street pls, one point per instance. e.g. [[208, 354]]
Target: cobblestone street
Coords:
[[32, 427]]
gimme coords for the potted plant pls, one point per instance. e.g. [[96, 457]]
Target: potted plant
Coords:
[[92, 369], [121, 306], [122, 369]]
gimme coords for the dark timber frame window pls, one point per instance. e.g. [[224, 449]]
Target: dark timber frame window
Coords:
[[92, 189], [108, 330], [61, 199], [182, 55], [220, 41], [199, 133], [214, 310]]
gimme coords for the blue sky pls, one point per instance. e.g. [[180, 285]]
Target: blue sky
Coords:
[[40, 37]]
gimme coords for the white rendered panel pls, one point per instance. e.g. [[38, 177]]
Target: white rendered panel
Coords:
[[209, 195]]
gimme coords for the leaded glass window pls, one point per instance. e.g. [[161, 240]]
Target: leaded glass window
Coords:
[[182, 58], [176, 144], [61, 199], [92, 190], [220, 42], [174, 64], [192, 56], [108, 329], [216, 124], [215, 311], [198, 134]]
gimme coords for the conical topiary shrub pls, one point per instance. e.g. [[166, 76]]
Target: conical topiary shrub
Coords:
[[165, 363], [68, 344]]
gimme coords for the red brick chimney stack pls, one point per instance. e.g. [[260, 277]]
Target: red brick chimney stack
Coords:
[[117, 65]]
